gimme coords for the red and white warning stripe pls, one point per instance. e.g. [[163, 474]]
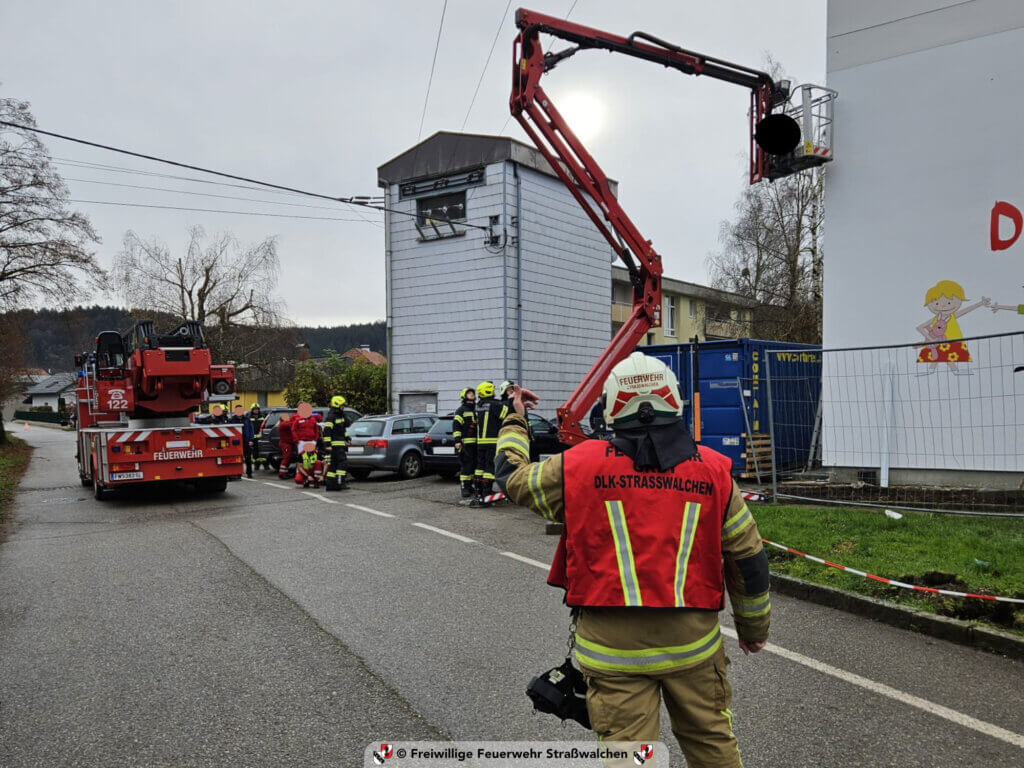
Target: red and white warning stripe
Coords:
[[892, 582], [750, 496], [493, 497]]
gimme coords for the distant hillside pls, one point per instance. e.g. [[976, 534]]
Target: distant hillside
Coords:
[[54, 336]]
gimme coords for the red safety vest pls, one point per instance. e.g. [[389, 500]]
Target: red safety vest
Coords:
[[641, 539]]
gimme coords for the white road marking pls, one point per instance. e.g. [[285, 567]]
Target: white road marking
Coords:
[[888, 691], [248, 479], [527, 560], [273, 485], [862, 682], [324, 499], [367, 509], [443, 532]]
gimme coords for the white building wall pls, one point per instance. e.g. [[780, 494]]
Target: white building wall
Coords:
[[453, 303], [931, 100]]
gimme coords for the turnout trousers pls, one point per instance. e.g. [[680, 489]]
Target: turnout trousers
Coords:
[[337, 472], [286, 459], [626, 707], [467, 461]]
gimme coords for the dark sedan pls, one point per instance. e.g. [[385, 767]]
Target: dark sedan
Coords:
[[439, 454]]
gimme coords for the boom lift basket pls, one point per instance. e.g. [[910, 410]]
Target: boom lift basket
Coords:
[[811, 107]]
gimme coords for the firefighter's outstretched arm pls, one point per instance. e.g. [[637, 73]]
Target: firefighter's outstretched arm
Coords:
[[746, 573], [537, 485]]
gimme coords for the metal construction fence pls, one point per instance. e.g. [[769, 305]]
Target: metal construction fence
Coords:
[[930, 427]]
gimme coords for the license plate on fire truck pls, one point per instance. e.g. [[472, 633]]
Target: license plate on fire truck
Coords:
[[125, 476]]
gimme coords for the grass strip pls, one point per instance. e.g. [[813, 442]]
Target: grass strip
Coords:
[[967, 554]]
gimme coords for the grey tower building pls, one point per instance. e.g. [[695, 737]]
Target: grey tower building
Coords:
[[527, 299]]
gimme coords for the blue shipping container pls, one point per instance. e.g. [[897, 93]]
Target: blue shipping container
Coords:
[[732, 378]]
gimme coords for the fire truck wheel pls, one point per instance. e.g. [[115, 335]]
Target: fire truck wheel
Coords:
[[86, 481], [101, 493]]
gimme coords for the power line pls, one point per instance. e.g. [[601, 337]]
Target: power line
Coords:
[[202, 194], [487, 63], [360, 201], [430, 80], [214, 210]]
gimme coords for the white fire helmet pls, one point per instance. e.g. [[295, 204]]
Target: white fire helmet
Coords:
[[637, 381]]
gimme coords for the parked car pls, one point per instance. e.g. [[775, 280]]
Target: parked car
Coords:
[[439, 454], [389, 443], [267, 438]]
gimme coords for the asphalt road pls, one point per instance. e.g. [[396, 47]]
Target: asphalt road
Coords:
[[270, 627]]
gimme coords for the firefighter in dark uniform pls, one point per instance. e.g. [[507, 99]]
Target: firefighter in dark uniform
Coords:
[[335, 438], [655, 533], [489, 415], [256, 418], [464, 432]]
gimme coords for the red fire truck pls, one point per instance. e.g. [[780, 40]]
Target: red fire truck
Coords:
[[137, 396]]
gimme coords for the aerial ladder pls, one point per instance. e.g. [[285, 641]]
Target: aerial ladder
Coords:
[[137, 397], [787, 135]]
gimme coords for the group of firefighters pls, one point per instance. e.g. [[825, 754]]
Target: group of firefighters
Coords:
[[475, 429], [318, 445]]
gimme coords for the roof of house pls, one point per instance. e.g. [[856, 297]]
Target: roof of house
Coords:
[[449, 152], [53, 384], [365, 355], [686, 288]]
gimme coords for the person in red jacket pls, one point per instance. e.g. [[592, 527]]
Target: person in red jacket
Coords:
[[305, 429], [286, 442]]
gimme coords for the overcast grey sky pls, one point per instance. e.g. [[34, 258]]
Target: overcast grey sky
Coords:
[[317, 94]]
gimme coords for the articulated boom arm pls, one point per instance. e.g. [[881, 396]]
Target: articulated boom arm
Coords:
[[586, 181]]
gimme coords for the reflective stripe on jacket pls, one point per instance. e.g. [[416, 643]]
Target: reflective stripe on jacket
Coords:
[[642, 539]]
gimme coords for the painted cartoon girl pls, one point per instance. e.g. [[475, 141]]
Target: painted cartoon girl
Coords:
[[944, 300]]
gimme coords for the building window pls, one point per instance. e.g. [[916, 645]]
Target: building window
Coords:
[[435, 215], [670, 316], [622, 293], [441, 207], [693, 307]]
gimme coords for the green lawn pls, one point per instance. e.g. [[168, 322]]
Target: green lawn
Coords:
[[918, 549], [14, 458]]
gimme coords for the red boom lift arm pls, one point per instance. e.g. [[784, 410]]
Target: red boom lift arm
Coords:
[[534, 110]]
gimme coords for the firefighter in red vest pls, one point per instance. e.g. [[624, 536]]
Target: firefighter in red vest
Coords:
[[650, 518]]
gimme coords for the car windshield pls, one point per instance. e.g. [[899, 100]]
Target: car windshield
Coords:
[[366, 428], [271, 420], [442, 427]]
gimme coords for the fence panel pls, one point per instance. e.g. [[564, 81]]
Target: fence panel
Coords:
[[937, 427]]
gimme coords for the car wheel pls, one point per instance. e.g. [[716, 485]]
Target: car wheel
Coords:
[[359, 474], [275, 462], [411, 466]]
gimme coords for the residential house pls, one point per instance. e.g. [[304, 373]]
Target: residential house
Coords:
[[688, 310]]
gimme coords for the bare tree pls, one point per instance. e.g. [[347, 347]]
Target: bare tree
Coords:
[[216, 281], [772, 254], [228, 287], [44, 246], [11, 360]]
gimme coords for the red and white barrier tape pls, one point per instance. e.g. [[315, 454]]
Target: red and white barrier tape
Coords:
[[749, 496], [892, 582], [493, 497]]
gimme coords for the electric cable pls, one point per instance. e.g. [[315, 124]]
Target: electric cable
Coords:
[[213, 210], [357, 200], [430, 80]]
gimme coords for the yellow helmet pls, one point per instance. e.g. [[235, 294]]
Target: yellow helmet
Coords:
[[254, 405], [485, 389], [465, 391], [337, 401]]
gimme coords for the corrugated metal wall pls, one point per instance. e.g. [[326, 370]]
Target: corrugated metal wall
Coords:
[[453, 321]]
